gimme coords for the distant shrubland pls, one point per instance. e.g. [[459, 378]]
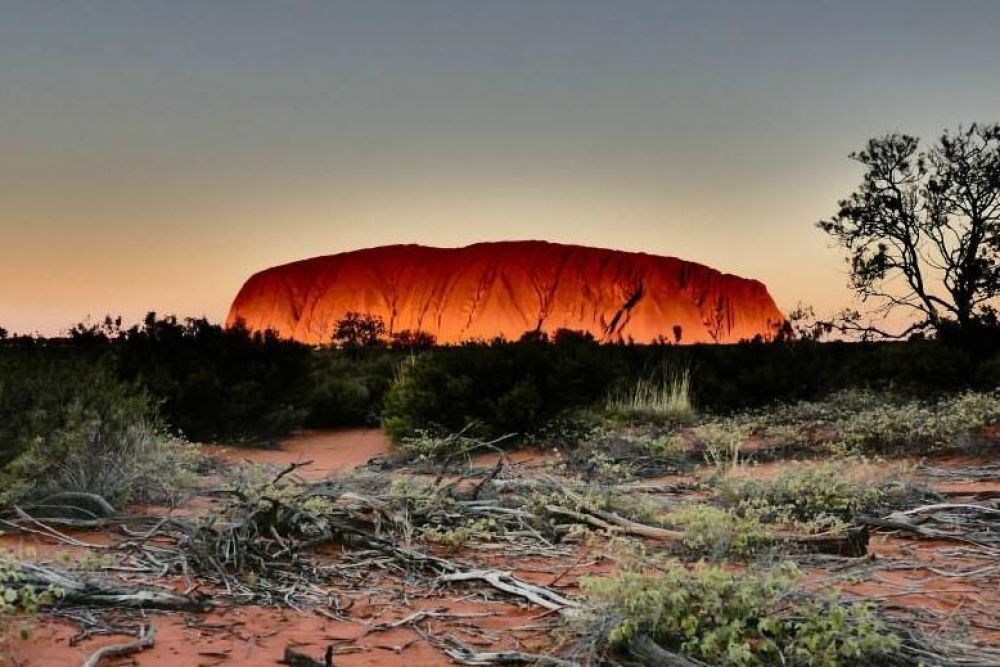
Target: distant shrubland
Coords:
[[208, 383]]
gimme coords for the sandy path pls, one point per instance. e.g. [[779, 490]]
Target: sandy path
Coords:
[[330, 451]]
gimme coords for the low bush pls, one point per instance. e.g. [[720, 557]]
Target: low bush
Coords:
[[721, 442], [74, 427], [860, 421], [816, 492], [734, 618], [720, 533], [458, 537], [617, 452], [914, 427]]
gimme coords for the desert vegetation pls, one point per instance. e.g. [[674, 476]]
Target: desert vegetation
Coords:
[[730, 505], [682, 518]]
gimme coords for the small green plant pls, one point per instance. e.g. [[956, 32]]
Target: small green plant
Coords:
[[458, 537], [734, 619], [913, 427], [88, 561], [815, 492], [608, 469], [426, 446], [18, 598], [720, 533], [721, 442]]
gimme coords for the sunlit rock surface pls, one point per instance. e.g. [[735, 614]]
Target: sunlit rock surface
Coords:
[[506, 288]]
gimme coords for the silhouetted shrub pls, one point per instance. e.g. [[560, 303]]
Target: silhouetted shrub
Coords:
[[348, 390], [217, 383], [515, 386], [499, 387]]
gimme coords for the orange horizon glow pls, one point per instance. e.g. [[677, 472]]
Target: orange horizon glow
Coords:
[[155, 155]]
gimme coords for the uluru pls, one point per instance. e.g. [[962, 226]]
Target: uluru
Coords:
[[506, 288]]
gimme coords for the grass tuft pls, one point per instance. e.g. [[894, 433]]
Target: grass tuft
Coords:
[[663, 395]]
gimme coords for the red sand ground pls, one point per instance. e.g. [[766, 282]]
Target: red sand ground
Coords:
[[254, 636], [257, 636], [331, 452]]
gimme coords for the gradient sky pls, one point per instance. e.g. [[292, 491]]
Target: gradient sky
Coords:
[[154, 154]]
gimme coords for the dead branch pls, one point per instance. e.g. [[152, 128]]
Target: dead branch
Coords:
[[74, 589], [941, 507], [853, 542], [651, 654], [466, 655], [294, 658], [506, 582], [147, 638]]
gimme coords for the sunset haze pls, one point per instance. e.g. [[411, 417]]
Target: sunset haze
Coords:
[[155, 155]]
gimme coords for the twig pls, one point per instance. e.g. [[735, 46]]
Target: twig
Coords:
[[147, 638]]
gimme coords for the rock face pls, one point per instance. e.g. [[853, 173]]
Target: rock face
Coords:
[[506, 288]]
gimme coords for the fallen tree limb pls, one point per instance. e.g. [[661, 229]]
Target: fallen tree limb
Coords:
[[73, 505], [294, 658], [852, 542], [508, 583], [651, 654], [942, 507], [906, 526], [94, 592], [466, 655], [147, 639], [961, 527]]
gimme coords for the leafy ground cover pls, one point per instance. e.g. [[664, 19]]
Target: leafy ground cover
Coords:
[[458, 551]]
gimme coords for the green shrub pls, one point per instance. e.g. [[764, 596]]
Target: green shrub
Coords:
[[914, 427], [75, 427], [811, 492], [501, 387], [720, 533], [721, 442], [348, 389], [735, 618], [212, 383]]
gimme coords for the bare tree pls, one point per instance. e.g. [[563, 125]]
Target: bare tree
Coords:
[[922, 231]]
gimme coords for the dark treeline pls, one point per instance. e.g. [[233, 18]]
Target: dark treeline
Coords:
[[518, 386], [210, 383]]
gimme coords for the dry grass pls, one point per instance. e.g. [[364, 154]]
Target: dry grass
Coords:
[[666, 394]]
